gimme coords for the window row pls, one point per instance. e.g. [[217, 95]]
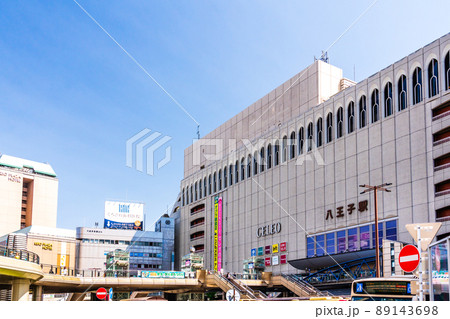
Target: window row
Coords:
[[120, 242]]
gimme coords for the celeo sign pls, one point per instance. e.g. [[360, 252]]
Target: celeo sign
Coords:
[[124, 215], [268, 230]]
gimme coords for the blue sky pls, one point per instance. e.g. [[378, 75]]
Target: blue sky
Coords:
[[71, 97]]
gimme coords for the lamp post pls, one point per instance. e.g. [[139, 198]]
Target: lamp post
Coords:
[[375, 189]]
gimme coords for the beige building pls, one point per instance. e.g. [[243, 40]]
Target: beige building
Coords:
[[280, 180], [28, 194]]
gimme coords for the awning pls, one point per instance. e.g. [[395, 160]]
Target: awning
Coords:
[[326, 261]]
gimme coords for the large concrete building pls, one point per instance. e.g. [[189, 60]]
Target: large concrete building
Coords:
[[280, 179], [28, 194]]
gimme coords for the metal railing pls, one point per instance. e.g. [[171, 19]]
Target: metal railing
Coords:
[[305, 286], [20, 254]]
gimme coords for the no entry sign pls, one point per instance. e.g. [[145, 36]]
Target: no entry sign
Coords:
[[101, 293], [409, 258]]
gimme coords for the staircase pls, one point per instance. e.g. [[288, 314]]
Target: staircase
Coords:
[[226, 284], [300, 287]]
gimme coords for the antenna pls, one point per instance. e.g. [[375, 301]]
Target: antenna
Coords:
[[323, 57], [198, 131]]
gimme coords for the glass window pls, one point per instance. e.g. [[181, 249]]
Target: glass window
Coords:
[[249, 166], [214, 182], [391, 230], [310, 136], [276, 154], [236, 171], [242, 169], [340, 123], [364, 237], [204, 187], [447, 70], [329, 127], [353, 239], [351, 117], [255, 163], [292, 146], [380, 235], [402, 93], [319, 132], [195, 191], [362, 112], [200, 189], [374, 104], [320, 245], [284, 149], [219, 183], [433, 78], [269, 156], [225, 177], [331, 247], [96, 241], [262, 159], [310, 246], [417, 85], [388, 108], [341, 241], [301, 140], [231, 174], [101, 241]]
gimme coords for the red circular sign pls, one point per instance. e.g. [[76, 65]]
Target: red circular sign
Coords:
[[101, 293], [409, 258]]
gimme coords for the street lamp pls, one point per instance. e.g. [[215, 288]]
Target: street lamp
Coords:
[[375, 189]]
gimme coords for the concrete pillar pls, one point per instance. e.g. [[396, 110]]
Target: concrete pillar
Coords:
[[20, 289], [37, 293]]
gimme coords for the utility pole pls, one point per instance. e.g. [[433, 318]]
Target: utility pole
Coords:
[[375, 189]]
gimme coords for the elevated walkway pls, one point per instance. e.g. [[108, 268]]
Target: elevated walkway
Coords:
[[299, 287]]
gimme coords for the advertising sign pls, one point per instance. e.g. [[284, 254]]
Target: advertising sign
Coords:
[[163, 274], [253, 252], [260, 251], [267, 261], [275, 260], [274, 248], [283, 259], [283, 246], [267, 250], [217, 233], [124, 215]]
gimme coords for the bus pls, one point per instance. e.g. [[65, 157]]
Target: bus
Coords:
[[383, 289]]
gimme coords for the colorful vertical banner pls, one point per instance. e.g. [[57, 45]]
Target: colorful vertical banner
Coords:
[[217, 233]]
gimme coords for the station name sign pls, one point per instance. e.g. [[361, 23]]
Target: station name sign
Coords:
[[267, 230]]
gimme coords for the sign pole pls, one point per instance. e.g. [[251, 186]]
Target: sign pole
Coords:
[[420, 265]]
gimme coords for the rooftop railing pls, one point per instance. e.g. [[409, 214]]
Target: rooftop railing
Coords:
[[20, 254]]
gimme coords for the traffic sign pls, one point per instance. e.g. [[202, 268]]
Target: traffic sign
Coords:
[[427, 233], [110, 297], [101, 293], [409, 258]]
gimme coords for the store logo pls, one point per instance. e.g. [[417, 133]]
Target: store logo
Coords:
[[143, 146], [268, 230]]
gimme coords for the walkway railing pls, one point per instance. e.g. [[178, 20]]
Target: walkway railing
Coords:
[[20, 254]]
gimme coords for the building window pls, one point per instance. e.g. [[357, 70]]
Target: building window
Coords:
[[200, 188], [249, 166], [352, 239], [292, 141], [242, 169], [380, 235], [196, 191], [236, 170], [225, 177], [262, 159], [276, 153], [351, 117], [319, 132], [204, 187], [447, 70], [433, 78], [329, 127], [269, 156], [320, 245], [310, 247], [417, 85], [255, 163], [364, 237], [182, 198], [301, 140], [391, 230], [209, 185], [215, 182], [220, 180], [310, 136], [192, 194], [284, 149], [331, 247], [341, 241], [340, 123], [231, 174], [388, 107], [402, 93], [375, 102], [362, 111]]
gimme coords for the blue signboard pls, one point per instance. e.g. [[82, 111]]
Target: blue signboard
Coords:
[[253, 253], [408, 288], [359, 287]]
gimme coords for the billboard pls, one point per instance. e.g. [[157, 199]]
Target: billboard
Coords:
[[217, 233], [124, 215], [163, 274]]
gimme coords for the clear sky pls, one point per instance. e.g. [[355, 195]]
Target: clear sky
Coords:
[[71, 97]]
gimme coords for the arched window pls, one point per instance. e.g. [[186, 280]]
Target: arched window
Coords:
[[215, 182], [417, 85], [301, 140], [374, 105], [351, 117], [225, 177], [433, 78], [447, 71], [329, 127], [236, 171], [284, 149], [262, 159], [255, 163], [209, 185], [276, 153], [195, 191], [192, 194], [340, 122], [388, 106], [292, 141], [362, 111], [249, 166], [204, 187], [200, 189], [402, 90], [319, 129], [182, 199], [310, 137], [269, 156], [242, 169], [231, 174], [219, 182]]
